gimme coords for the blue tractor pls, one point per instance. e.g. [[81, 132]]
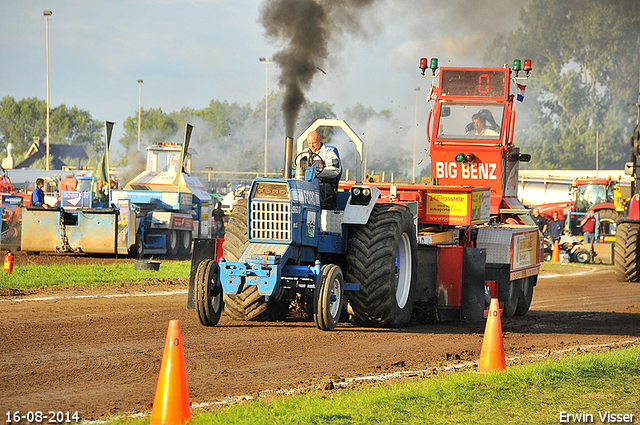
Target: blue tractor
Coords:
[[282, 248]]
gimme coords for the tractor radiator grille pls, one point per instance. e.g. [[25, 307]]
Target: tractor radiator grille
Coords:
[[270, 221]]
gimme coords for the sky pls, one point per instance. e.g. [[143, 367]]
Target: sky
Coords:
[[189, 52]]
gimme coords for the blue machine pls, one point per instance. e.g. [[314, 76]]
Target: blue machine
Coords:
[[284, 224], [294, 249]]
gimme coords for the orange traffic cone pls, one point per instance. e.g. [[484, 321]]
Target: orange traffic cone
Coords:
[[555, 257], [171, 404], [492, 354]]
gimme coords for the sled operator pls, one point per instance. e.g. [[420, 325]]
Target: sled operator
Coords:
[[480, 127]]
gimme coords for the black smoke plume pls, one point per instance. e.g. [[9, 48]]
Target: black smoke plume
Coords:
[[306, 27]]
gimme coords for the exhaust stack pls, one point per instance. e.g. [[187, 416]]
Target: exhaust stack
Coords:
[[288, 157]]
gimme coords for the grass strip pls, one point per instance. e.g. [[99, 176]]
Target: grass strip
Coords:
[[535, 393], [39, 276]]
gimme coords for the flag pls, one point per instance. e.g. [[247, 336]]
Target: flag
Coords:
[[185, 147], [102, 169], [521, 89]]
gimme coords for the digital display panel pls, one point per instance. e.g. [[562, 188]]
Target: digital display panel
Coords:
[[474, 83]]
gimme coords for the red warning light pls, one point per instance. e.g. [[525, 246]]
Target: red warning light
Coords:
[[424, 64]]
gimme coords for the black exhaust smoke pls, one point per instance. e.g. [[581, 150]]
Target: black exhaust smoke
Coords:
[[306, 27]]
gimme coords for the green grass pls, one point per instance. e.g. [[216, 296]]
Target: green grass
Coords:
[[38, 276], [527, 394]]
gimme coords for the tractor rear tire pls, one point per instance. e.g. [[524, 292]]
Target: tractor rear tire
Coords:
[[173, 242], [626, 252], [235, 234], [382, 258], [209, 301], [137, 249], [512, 298], [185, 237], [248, 304]]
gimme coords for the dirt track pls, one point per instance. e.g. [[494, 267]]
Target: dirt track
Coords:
[[61, 350]]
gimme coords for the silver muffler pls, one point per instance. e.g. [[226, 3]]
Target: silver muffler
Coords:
[[288, 157]]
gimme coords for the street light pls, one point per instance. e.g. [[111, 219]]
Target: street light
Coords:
[[139, 109], [415, 137], [46, 14], [266, 110]]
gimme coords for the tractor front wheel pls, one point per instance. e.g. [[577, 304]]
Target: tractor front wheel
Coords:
[[209, 302], [581, 256], [327, 298]]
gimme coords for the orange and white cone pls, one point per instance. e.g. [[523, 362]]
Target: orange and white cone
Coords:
[[171, 404], [555, 257], [492, 354]]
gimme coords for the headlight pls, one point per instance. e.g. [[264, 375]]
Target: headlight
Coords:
[[366, 192], [356, 191]]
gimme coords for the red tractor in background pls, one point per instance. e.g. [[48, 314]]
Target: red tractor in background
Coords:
[[600, 196]]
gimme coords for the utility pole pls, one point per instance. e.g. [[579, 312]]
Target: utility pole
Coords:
[[266, 110], [46, 14], [638, 105], [139, 109], [597, 153]]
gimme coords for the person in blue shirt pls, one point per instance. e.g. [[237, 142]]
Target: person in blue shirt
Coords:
[[37, 196], [555, 228]]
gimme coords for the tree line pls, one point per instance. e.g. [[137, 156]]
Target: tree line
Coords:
[[226, 136], [586, 59]]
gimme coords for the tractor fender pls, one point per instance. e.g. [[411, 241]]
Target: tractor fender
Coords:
[[633, 209], [602, 206], [355, 213]]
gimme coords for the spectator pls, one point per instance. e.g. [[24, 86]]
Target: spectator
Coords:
[[218, 221], [37, 196], [556, 228], [540, 221], [588, 224]]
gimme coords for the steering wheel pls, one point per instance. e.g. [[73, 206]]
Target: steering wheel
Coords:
[[312, 155]]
